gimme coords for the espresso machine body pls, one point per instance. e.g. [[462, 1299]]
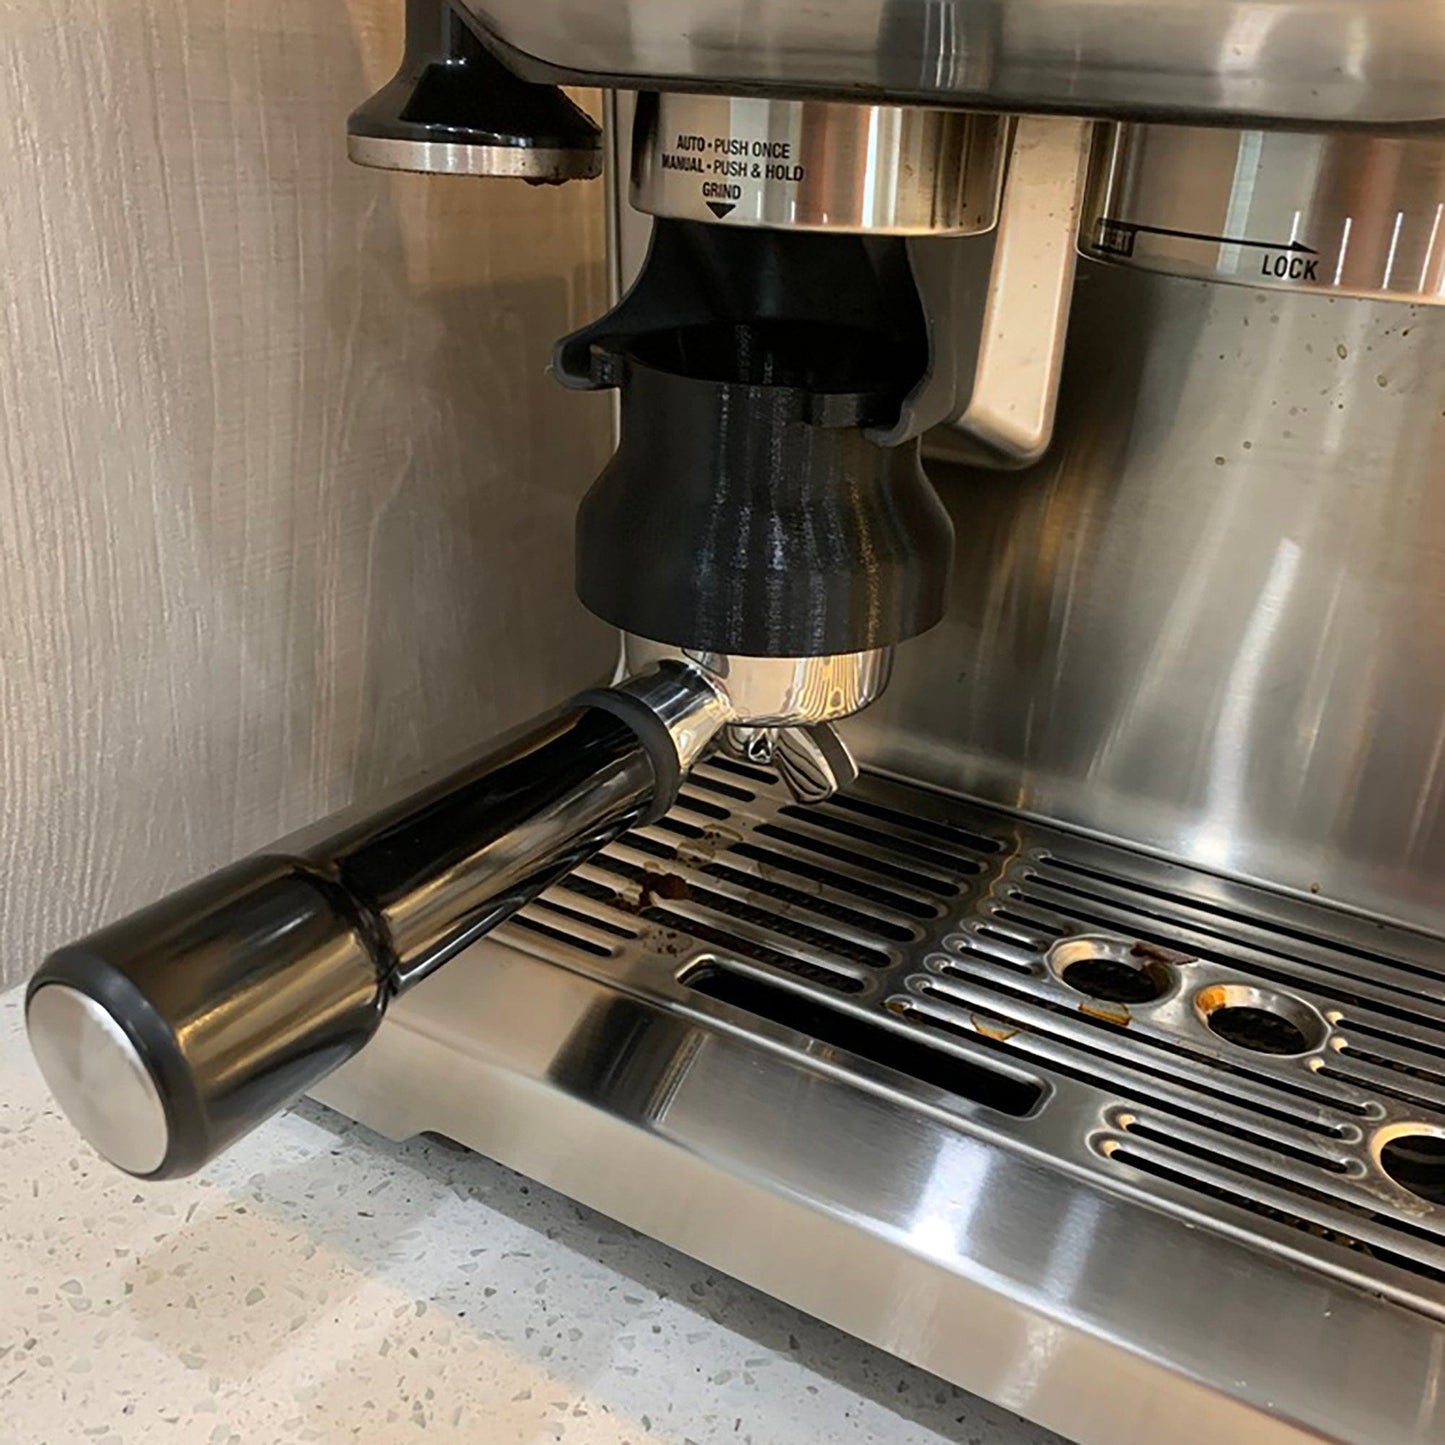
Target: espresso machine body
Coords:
[[998, 911]]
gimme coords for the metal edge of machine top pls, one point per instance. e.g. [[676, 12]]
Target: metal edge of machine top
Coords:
[[1060, 59]]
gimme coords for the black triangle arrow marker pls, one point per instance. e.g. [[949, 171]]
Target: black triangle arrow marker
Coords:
[[721, 208]]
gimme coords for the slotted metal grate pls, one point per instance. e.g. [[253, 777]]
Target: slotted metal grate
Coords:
[[1250, 1061]]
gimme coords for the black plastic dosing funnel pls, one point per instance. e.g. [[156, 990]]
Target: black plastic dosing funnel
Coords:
[[746, 511]]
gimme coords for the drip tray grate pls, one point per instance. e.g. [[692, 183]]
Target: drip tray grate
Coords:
[[1248, 1061]]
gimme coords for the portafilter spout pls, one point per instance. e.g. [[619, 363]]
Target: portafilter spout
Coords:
[[166, 1036]]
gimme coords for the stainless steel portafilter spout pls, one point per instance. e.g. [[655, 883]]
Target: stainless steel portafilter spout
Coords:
[[781, 710], [168, 1035]]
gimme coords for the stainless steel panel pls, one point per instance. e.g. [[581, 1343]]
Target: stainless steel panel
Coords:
[[285, 496], [1323, 60], [1117, 1218], [1212, 621], [1351, 214]]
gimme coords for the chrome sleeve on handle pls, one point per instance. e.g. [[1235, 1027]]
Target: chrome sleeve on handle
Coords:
[[166, 1036]]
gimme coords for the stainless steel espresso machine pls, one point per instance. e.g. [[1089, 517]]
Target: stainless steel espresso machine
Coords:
[[997, 908]]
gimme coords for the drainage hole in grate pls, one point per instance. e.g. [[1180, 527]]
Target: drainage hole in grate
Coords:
[[680, 829], [657, 886], [1034, 925], [877, 867], [813, 902], [693, 804], [559, 935], [919, 823], [877, 1043], [1417, 1162], [1260, 1020], [908, 846], [742, 947], [844, 882], [1243, 1200], [722, 789], [1182, 899], [1114, 970], [1113, 981], [1408, 1010], [591, 920]]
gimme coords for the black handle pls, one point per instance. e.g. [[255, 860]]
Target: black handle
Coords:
[[168, 1035]]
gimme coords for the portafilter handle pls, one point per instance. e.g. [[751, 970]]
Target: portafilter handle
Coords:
[[168, 1035]]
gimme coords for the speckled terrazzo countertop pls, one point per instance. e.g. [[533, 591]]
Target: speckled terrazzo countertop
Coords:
[[320, 1283]]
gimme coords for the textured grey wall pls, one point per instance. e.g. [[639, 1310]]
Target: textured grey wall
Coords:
[[285, 496]]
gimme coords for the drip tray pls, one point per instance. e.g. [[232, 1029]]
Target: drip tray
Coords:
[[1239, 1056], [918, 1018]]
